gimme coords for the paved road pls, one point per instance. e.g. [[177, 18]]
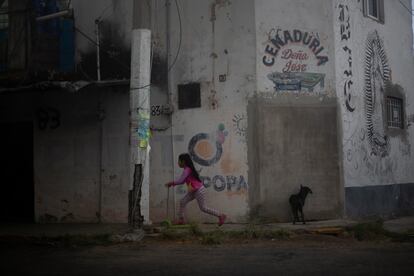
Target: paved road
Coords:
[[174, 258]]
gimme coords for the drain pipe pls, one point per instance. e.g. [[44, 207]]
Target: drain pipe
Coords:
[[101, 118], [169, 87], [98, 58]]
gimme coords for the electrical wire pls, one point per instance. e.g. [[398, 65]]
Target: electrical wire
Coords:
[[96, 44], [180, 37], [141, 87], [104, 11]]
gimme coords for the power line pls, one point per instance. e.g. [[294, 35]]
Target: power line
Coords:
[[104, 11], [120, 62], [141, 87], [180, 37], [96, 44]]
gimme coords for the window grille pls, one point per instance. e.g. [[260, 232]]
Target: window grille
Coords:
[[395, 115], [63, 4], [4, 16], [374, 9]]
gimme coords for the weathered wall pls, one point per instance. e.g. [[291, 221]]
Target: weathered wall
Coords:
[[80, 152], [115, 153], [378, 161], [294, 143], [218, 39], [295, 111]]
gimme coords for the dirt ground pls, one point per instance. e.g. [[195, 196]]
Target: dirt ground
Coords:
[[302, 255]]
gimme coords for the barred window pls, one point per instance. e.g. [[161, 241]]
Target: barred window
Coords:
[[374, 9], [395, 112], [63, 4], [4, 16]]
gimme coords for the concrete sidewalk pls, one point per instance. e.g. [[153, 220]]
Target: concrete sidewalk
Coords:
[[399, 225]]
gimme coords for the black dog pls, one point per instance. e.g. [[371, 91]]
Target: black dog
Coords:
[[297, 201]]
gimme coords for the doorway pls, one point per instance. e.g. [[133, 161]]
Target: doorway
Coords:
[[16, 172], [294, 144]]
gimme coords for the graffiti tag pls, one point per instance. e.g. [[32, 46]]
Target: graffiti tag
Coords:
[[48, 117], [345, 34]]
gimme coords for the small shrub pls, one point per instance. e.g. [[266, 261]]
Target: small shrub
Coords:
[[170, 234], [195, 230], [369, 231], [212, 238], [277, 234]]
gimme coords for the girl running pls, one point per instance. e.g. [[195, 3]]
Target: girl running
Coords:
[[195, 187]]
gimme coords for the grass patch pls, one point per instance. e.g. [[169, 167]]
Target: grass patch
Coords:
[[171, 234], [280, 234], [374, 231], [194, 233], [213, 238], [251, 232], [195, 229], [370, 231]]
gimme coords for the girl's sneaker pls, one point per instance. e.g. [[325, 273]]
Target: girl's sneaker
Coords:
[[222, 218]]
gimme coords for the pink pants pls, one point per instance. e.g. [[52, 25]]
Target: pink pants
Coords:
[[200, 195]]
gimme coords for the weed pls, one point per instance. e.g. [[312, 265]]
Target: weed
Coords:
[[212, 238], [369, 231], [280, 234], [170, 234], [407, 236], [195, 229]]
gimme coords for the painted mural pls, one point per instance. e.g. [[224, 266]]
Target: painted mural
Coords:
[[296, 81], [295, 55], [345, 45], [240, 126], [368, 147], [377, 75], [207, 150], [364, 163]]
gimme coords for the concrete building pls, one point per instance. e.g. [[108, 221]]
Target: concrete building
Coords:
[[264, 95]]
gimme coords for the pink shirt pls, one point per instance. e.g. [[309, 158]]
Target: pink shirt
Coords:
[[187, 177]]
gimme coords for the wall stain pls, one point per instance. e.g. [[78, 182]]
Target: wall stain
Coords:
[[68, 218], [159, 72], [115, 58], [47, 218]]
